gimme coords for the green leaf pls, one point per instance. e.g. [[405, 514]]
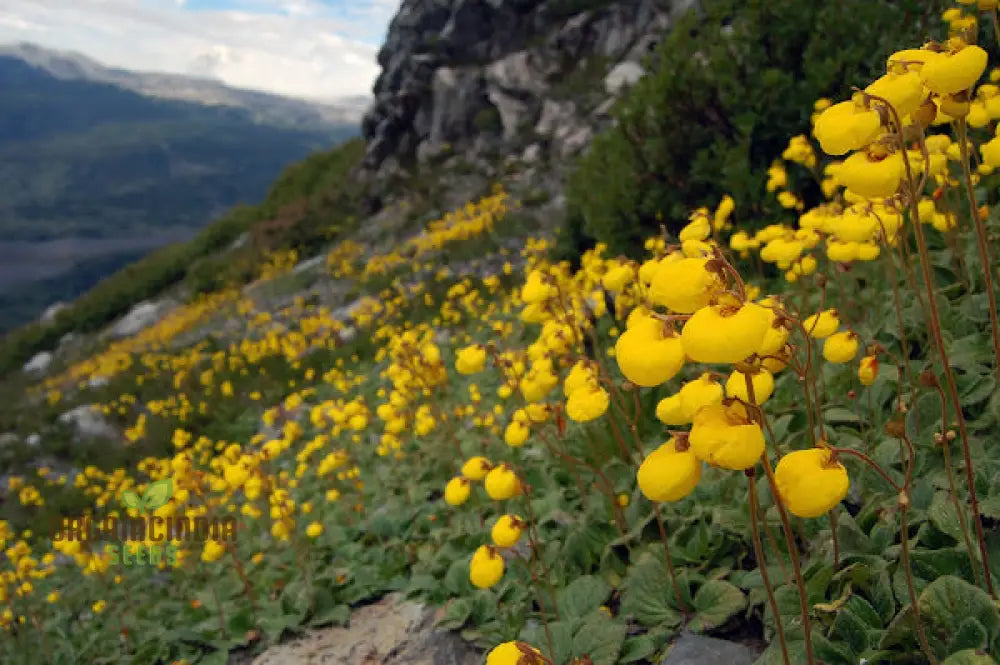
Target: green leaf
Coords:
[[218, 657], [944, 517], [600, 637], [714, 603], [772, 655], [562, 639], [640, 647], [648, 595], [157, 494], [583, 595], [945, 604], [968, 657], [131, 500], [456, 614], [970, 635]]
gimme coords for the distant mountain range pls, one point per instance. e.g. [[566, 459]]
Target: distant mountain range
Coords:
[[100, 165]]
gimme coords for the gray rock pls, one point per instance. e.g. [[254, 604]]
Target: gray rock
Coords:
[[555, 116], [576, 141], [97, 381], [140, 317], [308, 264], [39, 363], [531, 154], [8, 439], [513, 112], [88, 422], [623, 75], [33, 440], [49, 315], [389, 632], [691, 649]]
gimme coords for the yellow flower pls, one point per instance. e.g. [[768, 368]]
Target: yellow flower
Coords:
[[871, 177], [507, 530], [810, 482], [99, 606], [212, 551], [646, 355], [618, 278], [822, 325], [457, 491], [684, 286], [52, 597], [723, 436], [669, 474], [845, 127], [314, 530], [841, 347], [586, 404], [762, 381], [679, 409], [725, 333], [868, 370], [486, 567], [476, 468], [516, 433], [948, 73], [904, 91], [471, 359], [514, 653], [502, 483]]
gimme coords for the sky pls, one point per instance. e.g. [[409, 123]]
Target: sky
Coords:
[[314, 49]]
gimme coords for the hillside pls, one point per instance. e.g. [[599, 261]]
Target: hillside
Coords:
[[92, 176], [635, 333]]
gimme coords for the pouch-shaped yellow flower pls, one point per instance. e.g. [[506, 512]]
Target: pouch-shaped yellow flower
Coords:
[[618, 278], [516, 433], [471, 359], [723, 436], [502, 483], [948, 73], [725, 333], [486, 567], [762, 382], [871, 177], [822, 325], [668, 474], [684, 286], [514, 653], [845, 127], [506, 530], [841, 347], [810, 483], [456, 492], [868, 370], [476, 468], [679, 409], [646, 355], [587, 403], [904, 91]]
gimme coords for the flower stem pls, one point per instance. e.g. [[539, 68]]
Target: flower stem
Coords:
[[762, 564]]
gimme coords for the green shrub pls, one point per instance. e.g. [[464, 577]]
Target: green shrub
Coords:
[[724, 95]]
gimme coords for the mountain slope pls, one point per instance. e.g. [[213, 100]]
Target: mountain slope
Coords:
[[81, 160]]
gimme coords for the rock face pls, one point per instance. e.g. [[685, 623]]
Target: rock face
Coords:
[[481, 75], [390, 632]]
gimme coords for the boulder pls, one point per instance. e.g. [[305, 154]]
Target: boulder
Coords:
[[390, 632], [33, 440], [39, 363], [88, 422], [8, 439], [692, 649], [49, 315], [140, 317], [623, 75]]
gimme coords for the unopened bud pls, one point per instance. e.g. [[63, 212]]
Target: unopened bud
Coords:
[[895, 428], [904, 499], [928, 379], [950, 435]]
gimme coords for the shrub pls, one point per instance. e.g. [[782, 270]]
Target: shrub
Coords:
[[721, 100]]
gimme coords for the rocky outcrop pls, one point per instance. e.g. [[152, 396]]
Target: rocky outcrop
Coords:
[[88, 422], [39, 363], [482, 75], [389, 632], [140, 317]]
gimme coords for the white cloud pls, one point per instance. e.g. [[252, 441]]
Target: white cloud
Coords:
[[305, 48]]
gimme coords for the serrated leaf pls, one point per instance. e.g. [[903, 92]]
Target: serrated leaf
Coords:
[[714, 603], [157, 494], [944, 517], [648, 595], [600, 637], [582, 596], [946, 602]]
